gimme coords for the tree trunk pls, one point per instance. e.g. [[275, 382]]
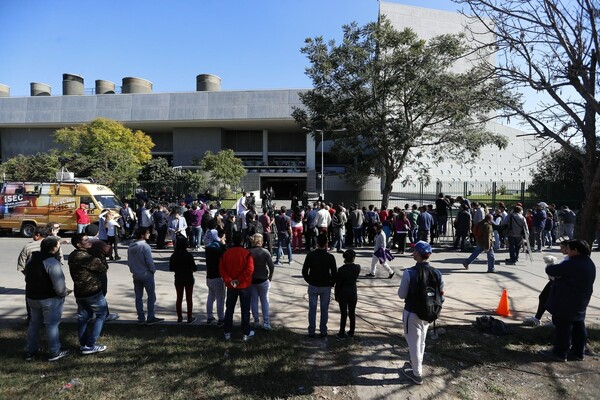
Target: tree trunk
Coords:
[[585, 227], [387, 190]]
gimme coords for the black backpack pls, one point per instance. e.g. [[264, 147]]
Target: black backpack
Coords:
[[427, 298]]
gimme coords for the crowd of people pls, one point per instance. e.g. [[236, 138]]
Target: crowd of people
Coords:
[[240, 247]]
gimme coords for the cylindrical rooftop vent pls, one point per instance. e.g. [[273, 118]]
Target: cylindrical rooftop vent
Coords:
[[4, 90], [208, 83], [136, 85], [104, 87], [40, 89], [72, 85]]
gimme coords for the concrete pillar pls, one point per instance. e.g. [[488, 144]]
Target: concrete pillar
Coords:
[[310, 151], [72, 85], [4, 90], [104, 87], [265, 147], [208, 83], [40, 89], [136, 85]]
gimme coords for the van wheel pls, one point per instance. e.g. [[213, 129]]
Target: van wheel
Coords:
[[27, 229]]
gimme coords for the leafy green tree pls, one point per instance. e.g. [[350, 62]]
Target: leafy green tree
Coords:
[[550, 48], [40, 167], [105, 150], [158, 170], [402, 106], [194, 181], [224, 167], [558, 177]]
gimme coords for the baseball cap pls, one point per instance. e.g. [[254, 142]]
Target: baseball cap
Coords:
[[423, 248]]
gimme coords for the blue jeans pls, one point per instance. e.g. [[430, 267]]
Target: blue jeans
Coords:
[[283, 239], [260, 291], [491, 258], [139, 285], [81, 228], [86, 307], [230, 302], [196, 236], [216, 292], [49, 313], [441, 225], [322, 295], [514, 247], [358, 236]]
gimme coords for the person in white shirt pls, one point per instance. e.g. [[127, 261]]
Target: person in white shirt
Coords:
[[177, 226], [323, 219]]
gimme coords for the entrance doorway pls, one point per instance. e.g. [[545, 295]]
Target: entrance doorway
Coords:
[[285, 188]]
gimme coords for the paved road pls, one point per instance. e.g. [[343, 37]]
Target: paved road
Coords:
[[469, 293]]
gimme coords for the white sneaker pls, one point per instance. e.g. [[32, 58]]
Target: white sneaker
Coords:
[[228, 336], [532, 321], [249, 336]]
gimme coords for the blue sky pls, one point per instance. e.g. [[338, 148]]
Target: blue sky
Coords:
[[249, 44]]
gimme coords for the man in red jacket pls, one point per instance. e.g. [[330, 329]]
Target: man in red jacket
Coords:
[[236, 268]]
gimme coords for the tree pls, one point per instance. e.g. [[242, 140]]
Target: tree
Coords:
[[558, 176], [224, 168], [402, 106], [40, 167], [549, 48], [105, 150]]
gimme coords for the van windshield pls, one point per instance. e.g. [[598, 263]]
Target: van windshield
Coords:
[[108, 201]]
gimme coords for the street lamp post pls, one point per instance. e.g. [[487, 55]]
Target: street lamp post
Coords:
[[322, 155]]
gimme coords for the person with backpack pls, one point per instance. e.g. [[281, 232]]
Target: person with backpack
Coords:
[[485, 239], [422, 290]]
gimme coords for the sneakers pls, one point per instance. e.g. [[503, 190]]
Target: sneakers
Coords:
[[410, 375], [340, 337], [553, 356], [370, 275], [532, 321], [30, 356], [220, 323], [58, 356], [227, 336], [209, 321], [99, 348], [111, 317], [192, 320], [267, 327], [249, 336], [154, 320], [391, 275], [465, 265]]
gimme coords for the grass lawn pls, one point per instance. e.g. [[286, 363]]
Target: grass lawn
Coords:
[[194, 362]]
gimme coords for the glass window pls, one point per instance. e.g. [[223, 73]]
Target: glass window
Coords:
[[108, 201]]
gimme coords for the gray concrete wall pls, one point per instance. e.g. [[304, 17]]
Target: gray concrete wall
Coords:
[[15, 141], [189, 143]]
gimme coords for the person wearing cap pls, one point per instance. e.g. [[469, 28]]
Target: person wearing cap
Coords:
[[415, 329], [484, 239], [345, 293], [83, 219]]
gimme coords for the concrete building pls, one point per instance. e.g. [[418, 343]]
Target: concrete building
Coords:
[[256, 124]]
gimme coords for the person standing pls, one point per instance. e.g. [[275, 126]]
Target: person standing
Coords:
[[517, 230], [442, 205], [45, 290], [346, 293], [424, 224], [195, 215], [538, 223], [569, 297], [112, 234], [161, 225], [415, 329], [86, 272], [236, 268], [177, 226], [141, 265], [216, 288], [182, 263], [484, 238], [83, 219], [261, 280], [284, 234], [319, 271], [379, 253], [357, 218]]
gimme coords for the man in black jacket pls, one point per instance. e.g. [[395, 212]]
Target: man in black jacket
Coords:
[[86, 272], [319, 271]]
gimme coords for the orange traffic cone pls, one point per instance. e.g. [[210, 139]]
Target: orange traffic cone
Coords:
[[503, 306]]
